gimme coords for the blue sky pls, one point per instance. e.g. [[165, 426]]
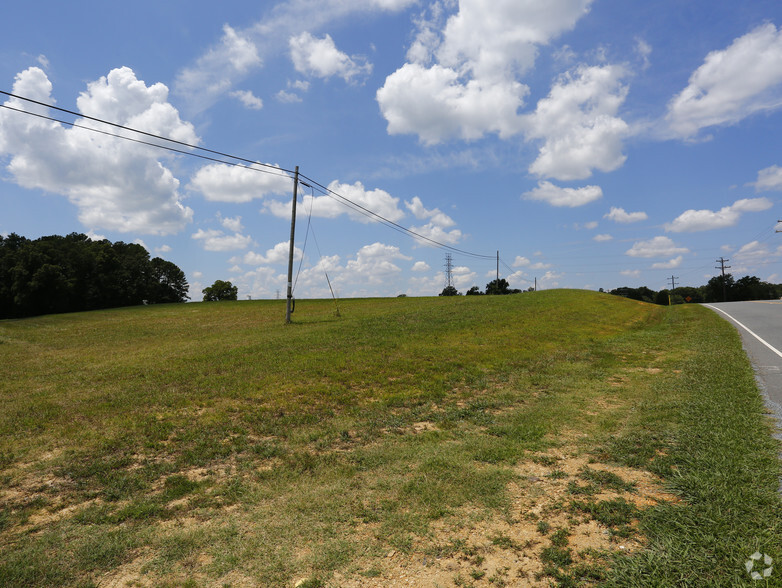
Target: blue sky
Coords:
[[593, 143]]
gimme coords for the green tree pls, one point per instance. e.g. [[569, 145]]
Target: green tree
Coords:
[[661, 297], [694, 294], [719, 289], [499, 286], [643, 293], [167, 282], [220, 290], [449, 291], [73, 273], [474, 291]]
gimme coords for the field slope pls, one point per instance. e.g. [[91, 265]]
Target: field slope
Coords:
[[561, 437]]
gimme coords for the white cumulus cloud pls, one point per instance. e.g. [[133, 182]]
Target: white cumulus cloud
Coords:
[[249, 99], [432, 232], [657, 247], [288, 97], [691, 221], [578, 124], [116, 185], [232, 223], [215, 240], [462, 78], [670, 264], [278, 254], [215, 72], [436, 216], [376, 263], [754, 251], [620, 215], [521, 261], [378, 201], [224, 183], [494, 38], [436, 105], [321, 58], [558, 196], [732, 84], [769, 178]]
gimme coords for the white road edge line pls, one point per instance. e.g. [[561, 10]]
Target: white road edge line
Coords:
[[774, 349]]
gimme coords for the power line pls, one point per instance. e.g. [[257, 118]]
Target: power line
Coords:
[[327, 191], [140, 132], [304, 247], [164, 147], [389, 223]]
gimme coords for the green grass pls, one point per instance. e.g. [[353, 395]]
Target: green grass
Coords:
[[198, 440]]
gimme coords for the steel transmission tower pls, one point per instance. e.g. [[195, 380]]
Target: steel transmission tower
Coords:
[[448, 270]]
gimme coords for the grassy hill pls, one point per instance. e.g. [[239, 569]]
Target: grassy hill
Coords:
[[561, 436]]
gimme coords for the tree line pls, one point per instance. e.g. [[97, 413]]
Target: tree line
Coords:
[[718, 289], [495, 287], [74, 273]]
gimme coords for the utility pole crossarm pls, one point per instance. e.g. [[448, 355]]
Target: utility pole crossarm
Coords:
[[723, 267]]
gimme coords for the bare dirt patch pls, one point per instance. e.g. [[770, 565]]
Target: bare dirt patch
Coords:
[[508, 550], [129, 575]]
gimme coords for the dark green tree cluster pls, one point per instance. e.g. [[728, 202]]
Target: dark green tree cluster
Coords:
[[74, 273], [450, 291], [495, 287], [220, 290], [718, 289], [500, 286]]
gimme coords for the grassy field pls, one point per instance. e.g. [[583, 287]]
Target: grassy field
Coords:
[[557, 438]]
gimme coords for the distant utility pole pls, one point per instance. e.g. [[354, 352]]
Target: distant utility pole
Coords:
[[288, 306], [498, 269], [723, 267], [673, 287], [448, 270]]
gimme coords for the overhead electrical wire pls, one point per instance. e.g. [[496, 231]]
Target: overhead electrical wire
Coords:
[[396, 226], [766, 233], [142, 142], [140, 132], [513, 271], [324, 189], [306, 235]]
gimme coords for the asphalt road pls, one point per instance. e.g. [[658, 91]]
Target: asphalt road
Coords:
[[760, 326]]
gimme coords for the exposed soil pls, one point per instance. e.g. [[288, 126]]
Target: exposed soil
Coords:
[[463, 550], [506, 551]]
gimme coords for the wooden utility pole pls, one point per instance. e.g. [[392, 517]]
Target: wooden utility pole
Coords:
[[498, 269], [289, 304], [723, 267], [673, 287]]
